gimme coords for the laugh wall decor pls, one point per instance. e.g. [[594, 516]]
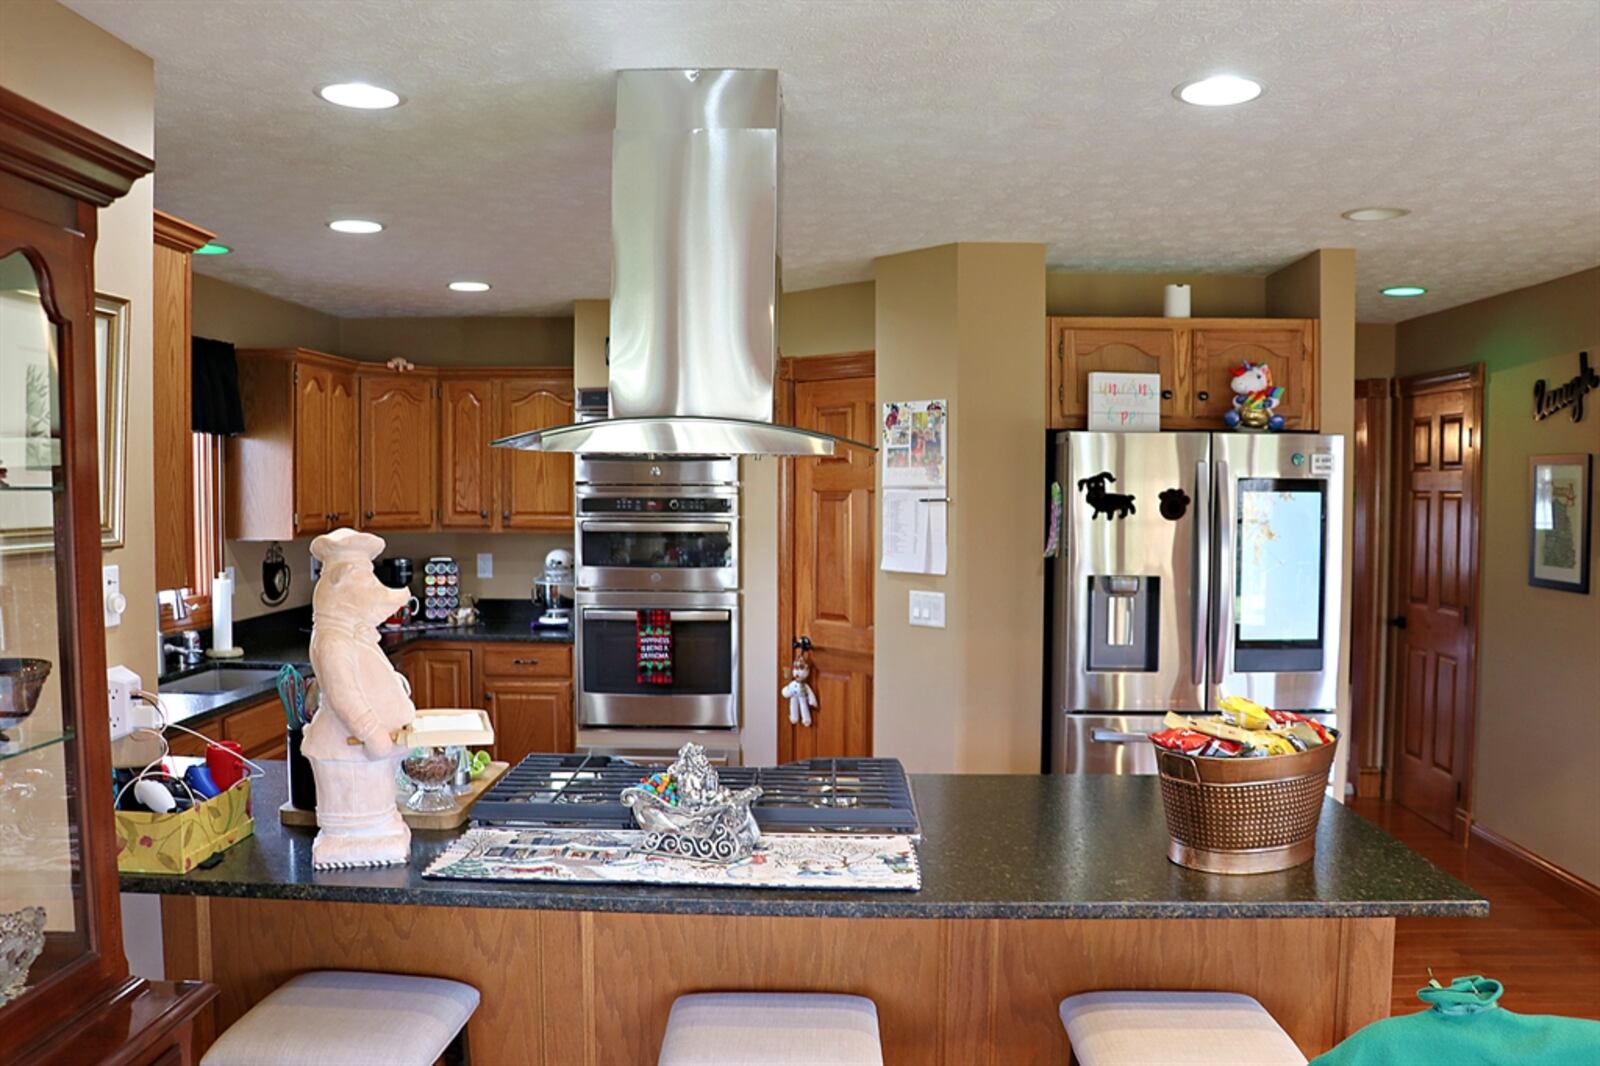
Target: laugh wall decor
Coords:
[[1548, 401]]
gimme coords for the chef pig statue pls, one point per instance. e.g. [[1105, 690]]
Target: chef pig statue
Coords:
[[364, 704]]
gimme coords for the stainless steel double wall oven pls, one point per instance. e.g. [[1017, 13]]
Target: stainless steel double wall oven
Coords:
[[657, 534]]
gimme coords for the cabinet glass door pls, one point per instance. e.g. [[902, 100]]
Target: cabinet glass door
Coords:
[[43, 921]]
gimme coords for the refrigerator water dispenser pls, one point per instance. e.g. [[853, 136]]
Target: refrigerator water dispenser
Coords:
[[1124, 623]]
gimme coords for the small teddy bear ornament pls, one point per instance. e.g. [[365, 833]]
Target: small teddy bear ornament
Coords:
[[1254, 399], [797, 691]]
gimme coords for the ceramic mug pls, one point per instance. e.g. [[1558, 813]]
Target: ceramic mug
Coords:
[[405, 614]]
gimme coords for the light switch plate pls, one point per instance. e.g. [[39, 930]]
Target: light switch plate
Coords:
[[927, 609], [486, 564]]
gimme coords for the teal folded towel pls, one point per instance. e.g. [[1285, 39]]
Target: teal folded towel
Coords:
[[1466, 1026]]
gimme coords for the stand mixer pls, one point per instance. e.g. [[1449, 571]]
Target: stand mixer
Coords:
[[553, 589]]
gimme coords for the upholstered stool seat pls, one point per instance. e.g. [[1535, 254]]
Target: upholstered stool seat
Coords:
[[1175, 1029], [771, 1029], [348, 1018]]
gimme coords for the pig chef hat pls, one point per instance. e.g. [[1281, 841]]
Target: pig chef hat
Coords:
[[346, 546]]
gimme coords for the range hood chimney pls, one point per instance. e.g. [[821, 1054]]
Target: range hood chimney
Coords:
[[694, 273]]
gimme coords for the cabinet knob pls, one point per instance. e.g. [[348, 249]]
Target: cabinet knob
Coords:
[[487, 696], [1203, 395], [1166, 394], [483, 514], [505, 516], [369, 513]]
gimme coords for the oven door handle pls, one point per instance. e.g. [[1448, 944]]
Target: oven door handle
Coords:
[[607, 615], [666, 524]]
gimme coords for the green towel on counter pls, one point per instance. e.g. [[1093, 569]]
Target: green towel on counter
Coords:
[[1465, 1026]]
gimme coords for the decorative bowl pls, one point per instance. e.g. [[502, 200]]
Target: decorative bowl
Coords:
[[21, 681]]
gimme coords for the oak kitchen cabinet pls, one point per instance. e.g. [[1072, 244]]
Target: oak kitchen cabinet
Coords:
[[398, 456], [442, 677], [1194, 358], [293, 472], [260, 729], [526, 688], [172, 490], [492, 489]]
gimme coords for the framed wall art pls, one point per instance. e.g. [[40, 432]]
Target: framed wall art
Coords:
[[1561, 521]]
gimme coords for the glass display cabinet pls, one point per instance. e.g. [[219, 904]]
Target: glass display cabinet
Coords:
[[65, 991]]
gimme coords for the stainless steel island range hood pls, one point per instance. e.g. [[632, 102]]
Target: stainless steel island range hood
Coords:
[[694, 273]]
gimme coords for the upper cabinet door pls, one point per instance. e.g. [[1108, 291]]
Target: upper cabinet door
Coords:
[[1078, 349], [312, 426], [397, 451], [1288, 347], [466, 496], [344, 422], [535, 489]]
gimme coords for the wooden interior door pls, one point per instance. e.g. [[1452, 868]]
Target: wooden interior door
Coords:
[[1370, 459], [1287, 349], [535, 489], [1434, 645], [343, 466], [465, 429], [397, 453], [830, 562], [1078, 350], [312, 418]]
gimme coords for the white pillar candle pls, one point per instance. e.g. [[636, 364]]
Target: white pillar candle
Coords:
[[222, 612]]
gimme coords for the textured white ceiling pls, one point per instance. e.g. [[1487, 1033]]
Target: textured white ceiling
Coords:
[[907, 124]]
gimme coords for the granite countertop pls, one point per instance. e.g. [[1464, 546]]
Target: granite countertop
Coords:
[[1015, 846], [272, 640]]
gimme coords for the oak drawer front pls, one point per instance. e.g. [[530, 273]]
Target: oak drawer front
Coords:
[[259, 730], [527, 660]]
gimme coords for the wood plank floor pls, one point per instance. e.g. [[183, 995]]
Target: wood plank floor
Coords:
[[1546, 955]]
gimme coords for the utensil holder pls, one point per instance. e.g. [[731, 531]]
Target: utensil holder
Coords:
[[302, 782]]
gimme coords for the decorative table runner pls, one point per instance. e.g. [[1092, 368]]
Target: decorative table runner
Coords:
[[781, 860]]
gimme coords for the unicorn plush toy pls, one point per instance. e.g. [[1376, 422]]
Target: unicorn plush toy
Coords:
[[1254, 399]]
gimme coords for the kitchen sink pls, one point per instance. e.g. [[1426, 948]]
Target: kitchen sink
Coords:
[[221, 679]]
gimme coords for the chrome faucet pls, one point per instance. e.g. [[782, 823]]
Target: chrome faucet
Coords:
[[189, 653]]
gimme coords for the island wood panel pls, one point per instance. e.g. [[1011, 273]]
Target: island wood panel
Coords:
[[561, 988]]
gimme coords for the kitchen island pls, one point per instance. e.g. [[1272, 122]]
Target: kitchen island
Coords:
[[1033, 888]]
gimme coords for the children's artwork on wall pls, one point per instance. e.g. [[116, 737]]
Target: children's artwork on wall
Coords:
[[1558, 540], [1124, 403], [916, 495], [1110, 504]]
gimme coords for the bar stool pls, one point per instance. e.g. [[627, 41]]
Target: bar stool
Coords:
[[351, 1018], [1175, 1029], [771, 1029]]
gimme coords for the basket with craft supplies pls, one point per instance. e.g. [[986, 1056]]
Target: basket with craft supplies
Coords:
[[1243, 791]]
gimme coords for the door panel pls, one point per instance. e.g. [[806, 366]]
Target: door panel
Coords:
[[833, 552], [535, 489], [344, 422], [397, 453], [1082, 350], [445, 679], [530, 716], [1216, 352], [465, 429], [312, 415], [1436, 587]]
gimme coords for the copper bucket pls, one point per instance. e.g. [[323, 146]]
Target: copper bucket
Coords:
[[1243, 815]]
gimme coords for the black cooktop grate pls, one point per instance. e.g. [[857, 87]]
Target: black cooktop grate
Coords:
[[838, 795]]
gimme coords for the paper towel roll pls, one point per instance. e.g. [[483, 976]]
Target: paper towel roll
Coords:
[[222, 613], [1177, 301]]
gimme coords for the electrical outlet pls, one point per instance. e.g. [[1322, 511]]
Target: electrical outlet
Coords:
[[927, 609], [486, 564], [122, 687]]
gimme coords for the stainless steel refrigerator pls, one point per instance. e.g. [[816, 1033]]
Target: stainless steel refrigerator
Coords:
[[1190, 566]]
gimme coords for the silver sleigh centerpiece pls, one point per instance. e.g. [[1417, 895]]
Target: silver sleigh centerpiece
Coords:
[[696, 818]]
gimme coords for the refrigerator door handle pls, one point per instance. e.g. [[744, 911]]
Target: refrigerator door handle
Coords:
[[1202, 572], [1112, 736], [1221, 610]]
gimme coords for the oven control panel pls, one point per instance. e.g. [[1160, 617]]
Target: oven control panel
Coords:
[[668, 505]]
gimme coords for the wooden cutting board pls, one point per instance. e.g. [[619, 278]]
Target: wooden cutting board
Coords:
[[451, 819]]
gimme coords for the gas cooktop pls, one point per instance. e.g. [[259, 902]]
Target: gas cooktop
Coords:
[[813, 795]]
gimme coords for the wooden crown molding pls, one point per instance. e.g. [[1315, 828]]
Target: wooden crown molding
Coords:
[[174, 232], [826, 367], [1444, 380], [48, 149]]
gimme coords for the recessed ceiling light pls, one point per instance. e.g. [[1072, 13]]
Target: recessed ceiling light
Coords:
[[360, 95], [469, 286], [355, 225], [1404, 290], [1375, 214], [1219, 90], [212, 248]]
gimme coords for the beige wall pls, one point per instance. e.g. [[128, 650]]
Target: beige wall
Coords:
[[1538, 734], [827, 321], [55, 58], [965, 323], [509, 341], [591, 325], [1374, 350], [1323, 285], [250, 319], [1071, 292]]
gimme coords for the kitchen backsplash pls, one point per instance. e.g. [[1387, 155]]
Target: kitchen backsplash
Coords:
[[518, 558]]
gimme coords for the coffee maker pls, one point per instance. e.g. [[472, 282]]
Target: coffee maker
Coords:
[[552, 590]]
